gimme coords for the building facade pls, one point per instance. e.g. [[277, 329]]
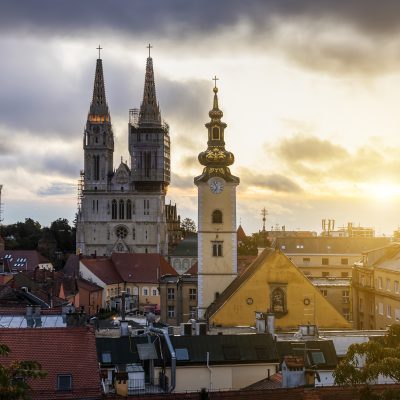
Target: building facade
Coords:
[[123, 210], [217, 239], [376, 288]]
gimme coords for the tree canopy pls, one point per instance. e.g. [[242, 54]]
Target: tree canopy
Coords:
[[188, 226], [13, 378], [366, 362]]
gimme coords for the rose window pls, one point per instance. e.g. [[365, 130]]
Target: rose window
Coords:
[[121, 232]]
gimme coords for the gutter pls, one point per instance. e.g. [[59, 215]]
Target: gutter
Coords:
[[172, 352]]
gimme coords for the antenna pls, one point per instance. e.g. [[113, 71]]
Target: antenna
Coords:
[[264, 214]]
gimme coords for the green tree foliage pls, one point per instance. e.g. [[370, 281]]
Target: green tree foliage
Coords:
[[365, 362], [64, 235], [188, 226], [247, 247], [22, 235], [13, 378]]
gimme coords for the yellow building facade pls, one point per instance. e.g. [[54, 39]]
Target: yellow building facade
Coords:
[[273, 283]]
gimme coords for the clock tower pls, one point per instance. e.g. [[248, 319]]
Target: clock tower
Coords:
[[217, 241]]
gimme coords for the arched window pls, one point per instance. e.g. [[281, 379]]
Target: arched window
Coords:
[[215, 133], [121, 209], [120, 248], [128, 209], [217, 217], [114, 209]]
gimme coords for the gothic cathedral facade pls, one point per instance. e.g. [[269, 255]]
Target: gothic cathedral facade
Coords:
[[123, 210], [217, 240]]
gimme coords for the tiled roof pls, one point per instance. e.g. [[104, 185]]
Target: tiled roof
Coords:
[[87, 285], [59, 351], [141, 267], [103, 268], [23, 260], [193, 269], [129, 267], [71, 267], [241, 236], [273, 382], [329, 245]]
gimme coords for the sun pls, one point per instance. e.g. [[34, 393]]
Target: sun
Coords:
[[383, 191]]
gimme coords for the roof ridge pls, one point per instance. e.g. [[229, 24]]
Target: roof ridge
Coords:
[[237, 283]]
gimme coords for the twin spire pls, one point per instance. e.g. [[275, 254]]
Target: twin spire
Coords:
[[149, 108]]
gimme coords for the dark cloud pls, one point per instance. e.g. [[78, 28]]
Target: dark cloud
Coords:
[[274, 182], [177, 17], [58, 189]]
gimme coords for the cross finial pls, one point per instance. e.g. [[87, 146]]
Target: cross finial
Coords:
[[99, 48], [149, 47], [215, 79]]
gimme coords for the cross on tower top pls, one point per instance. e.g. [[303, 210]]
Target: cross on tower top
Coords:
[[149, 47], [215, 79], [99, 48]]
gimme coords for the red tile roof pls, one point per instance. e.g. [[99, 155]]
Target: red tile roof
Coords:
[[59, 351], [103, 268], [21, 260], [141, 267], [193, 269], [241, 236]]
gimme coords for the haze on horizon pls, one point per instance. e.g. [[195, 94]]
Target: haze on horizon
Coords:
[[308, 91]]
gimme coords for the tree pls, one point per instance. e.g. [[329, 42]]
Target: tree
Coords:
[[13, 385], [64, 235], [248, 247], [365, 362], [188, 226]]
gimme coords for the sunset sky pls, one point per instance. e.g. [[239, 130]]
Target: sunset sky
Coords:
[[310, 91]]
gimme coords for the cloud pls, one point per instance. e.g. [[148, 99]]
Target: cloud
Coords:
[[274, 182], [309, 148], [182, 182], [58, 189]]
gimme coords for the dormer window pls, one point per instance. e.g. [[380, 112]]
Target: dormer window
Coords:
[[215, 133]]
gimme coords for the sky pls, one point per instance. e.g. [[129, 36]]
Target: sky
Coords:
[[309, 91]]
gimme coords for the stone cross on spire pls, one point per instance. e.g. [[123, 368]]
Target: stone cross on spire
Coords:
[[149, 47], [99, 48]]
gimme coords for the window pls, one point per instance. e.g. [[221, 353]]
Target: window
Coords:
[[325, 261], [325, 274], [64, 382], [344, 274], [324, 292], [145, 291], [388, 284], [217, 217], [346, 313], [389, 311], [128, 209], [306, 260], [317, 357], [96, 168], [344, 261], [192, 294], [133, 233], [114, 209], [121, 232], [397, 314], [345, 296], [380, 308], [192, 311], [215, 133], [217, 249], [106, 357], [171, 311], [146, 207], [121, 209], [396, 286], [154, 291], [380, 285], [171, 294]]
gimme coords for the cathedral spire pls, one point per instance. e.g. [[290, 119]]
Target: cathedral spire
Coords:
[[149, 109], [98, 106]]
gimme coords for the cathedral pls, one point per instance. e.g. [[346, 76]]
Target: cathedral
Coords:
[[123, 209]]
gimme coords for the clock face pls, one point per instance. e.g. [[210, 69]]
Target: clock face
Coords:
[[216, 186]]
